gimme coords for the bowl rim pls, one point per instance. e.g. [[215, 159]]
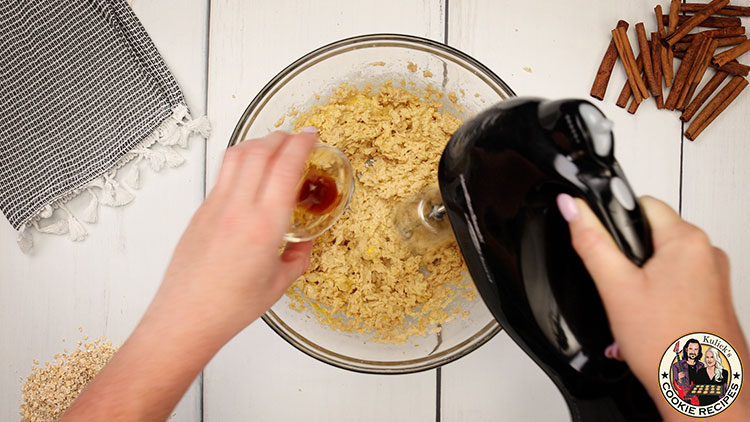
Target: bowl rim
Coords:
[[356, 42]]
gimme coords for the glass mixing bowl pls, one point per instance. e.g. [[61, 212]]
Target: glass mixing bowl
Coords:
[[374, 59]]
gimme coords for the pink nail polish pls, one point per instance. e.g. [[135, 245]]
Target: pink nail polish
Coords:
[[613, 352], [310, 129], [567, 206]]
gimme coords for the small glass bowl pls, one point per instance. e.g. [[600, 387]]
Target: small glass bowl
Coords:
[[371, 60], [331, 162]]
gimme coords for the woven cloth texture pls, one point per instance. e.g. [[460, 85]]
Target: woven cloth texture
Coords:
[[81, 84]]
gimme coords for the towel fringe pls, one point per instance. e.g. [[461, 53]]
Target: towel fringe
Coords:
[[24, 240], [58, 226], [76, 232], [176, 130], [133, 178], [91, 211]]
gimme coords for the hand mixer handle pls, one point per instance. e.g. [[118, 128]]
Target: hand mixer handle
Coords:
[[588, 139], [613, 202]]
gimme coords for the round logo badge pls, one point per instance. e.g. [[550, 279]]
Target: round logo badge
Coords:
[[700, 375]]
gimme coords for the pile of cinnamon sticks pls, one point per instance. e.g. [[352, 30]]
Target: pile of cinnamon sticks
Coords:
[[653, 69]]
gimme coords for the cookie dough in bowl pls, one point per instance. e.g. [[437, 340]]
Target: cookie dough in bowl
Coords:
[[390, 102]]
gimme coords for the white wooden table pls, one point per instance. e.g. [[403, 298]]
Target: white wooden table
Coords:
[[222, 53]]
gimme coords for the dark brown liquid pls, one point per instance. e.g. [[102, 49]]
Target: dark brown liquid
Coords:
[[318, 194]]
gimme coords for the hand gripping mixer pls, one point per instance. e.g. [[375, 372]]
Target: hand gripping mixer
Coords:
[[499, 177]]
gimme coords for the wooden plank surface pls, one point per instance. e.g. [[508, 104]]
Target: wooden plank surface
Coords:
[[104, 284], [553, 54], [258, 375], [716, 195]]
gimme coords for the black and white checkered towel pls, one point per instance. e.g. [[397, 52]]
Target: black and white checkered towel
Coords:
[[83, 90]]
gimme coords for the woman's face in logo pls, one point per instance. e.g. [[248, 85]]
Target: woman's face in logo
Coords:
[[710, 359]]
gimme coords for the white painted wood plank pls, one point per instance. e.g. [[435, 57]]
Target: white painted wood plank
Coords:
[[258, 376], [715, 190], [498, 382], [553, 54], [105, 283], [561, 49]]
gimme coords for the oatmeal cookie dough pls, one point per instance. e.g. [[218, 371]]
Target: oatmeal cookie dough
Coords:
[[362, 278]]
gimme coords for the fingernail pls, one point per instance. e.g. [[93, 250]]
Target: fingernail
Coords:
[[567, 206], [613, 352], [310, 129]]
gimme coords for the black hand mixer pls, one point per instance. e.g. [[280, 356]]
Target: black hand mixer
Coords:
[[499, 177]]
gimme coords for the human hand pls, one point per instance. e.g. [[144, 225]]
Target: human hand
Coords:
[[227, 267], [225, 272], [682, 288]]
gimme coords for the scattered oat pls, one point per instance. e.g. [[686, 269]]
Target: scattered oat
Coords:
[[427, 73], [412, 67], [49, 390], [433, 93], [280, 121], [528, 69], [454, 99], [361, 277], [377, 64], [463, 93], [234, 96], [476, 94], [80, 329]]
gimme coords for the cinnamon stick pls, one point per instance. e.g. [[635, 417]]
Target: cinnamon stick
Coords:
[[634, 104], [656, 48], [667, 60], [711, 22], [633, 107], [703, 95], [674, 11], [683, 72], [626, 55], [695, 20], [723, 42], [726, 11], [696, 73], [718, 104], [734, 67], [720, 42], [731, 54], [731, 31], [627, 90], [667, 64], [605, 68], [659, 24], [648, 64]]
